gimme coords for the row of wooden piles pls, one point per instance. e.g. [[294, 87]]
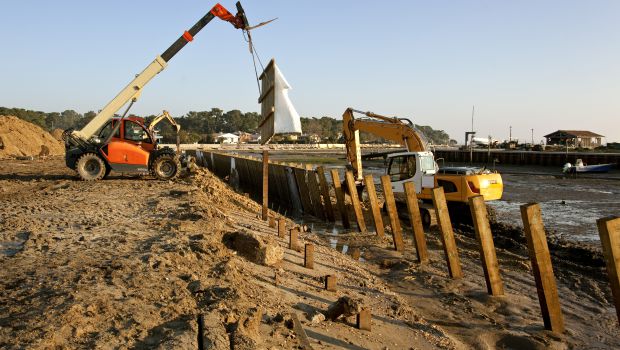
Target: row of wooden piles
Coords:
[[292, 188]]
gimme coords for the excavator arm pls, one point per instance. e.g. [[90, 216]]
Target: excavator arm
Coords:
[[399, 130], [166, 116], [132, 91]]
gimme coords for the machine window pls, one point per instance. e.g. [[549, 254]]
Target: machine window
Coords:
[[135, 132], [427, 163], [106, 130], [402, 168], [448, 186]]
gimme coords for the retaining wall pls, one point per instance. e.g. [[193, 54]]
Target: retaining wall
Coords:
[[527, 157]]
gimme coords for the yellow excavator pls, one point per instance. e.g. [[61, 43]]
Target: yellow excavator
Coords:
[[417, 164], [166, 116]]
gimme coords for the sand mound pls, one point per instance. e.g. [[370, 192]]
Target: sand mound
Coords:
[[20, 138], [57, 134]]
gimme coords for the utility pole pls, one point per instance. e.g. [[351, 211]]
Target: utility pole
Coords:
[[532, 137], [510, 135], [471, 146], [472, 117]]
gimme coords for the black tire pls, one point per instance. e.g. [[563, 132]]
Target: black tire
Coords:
[[107, 171], [90, 167], [425, 215], [166, 167]]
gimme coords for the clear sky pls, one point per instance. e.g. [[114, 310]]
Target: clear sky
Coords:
[[545, 65]]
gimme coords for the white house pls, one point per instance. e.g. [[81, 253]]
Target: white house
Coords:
[[228, 138]]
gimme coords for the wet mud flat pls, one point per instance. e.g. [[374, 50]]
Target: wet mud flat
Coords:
[[570, 206]]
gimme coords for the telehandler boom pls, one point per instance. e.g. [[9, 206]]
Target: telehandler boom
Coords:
[[93, 153]]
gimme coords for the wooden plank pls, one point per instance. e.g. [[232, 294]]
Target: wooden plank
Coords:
[[355, 201], [609, 231], [416, 222], [484, 236], [330, 283], [374, 205], [542, 268], [327, 200], [342, 207], [309, 256], [293, 190], [315, 194], [302, 185], [447, 235], [265, 185], [301, 334], [363, 319], [242, 168], [288, 199], [390, 203], [356, 253], [257, 177], [293, 239], [281, 227], [281, 189]]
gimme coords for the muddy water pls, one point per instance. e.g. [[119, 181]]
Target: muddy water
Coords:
[[570, 207]]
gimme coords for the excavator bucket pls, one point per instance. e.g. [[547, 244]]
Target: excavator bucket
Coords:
[[280, 118]]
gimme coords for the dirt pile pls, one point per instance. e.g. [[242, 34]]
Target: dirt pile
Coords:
[[57, 134], [19, 138], [260, 250]]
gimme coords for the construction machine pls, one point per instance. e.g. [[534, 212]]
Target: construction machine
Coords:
[[417, 164], [124, 144], [166, 116]]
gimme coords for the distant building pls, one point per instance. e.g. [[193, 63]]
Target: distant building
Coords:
[[575, 138], [227, 138], [310, 138]]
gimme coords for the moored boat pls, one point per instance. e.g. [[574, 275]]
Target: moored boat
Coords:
[[580, 167]]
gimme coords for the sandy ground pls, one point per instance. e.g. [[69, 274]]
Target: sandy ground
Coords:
[[129, 263]]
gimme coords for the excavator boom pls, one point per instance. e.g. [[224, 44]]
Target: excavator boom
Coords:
[[166, 116], [399, 130], [417, 165]]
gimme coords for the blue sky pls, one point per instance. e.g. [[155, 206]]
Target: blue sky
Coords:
[[545, 65]]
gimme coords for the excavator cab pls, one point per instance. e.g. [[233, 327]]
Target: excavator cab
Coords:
[[419, 167]]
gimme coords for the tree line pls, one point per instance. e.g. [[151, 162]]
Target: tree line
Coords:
[[200, 126]]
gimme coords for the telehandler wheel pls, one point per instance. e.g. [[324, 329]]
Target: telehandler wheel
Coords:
[[90, 167], [166, 167]]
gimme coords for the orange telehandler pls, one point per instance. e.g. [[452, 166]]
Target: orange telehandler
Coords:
[[125, 144]]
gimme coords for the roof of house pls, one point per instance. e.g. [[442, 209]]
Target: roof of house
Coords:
[[573, 133]]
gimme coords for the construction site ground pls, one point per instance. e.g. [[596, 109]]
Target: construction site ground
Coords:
[[130, 263]]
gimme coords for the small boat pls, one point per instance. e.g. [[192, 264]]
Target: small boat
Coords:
[[580, 167]]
